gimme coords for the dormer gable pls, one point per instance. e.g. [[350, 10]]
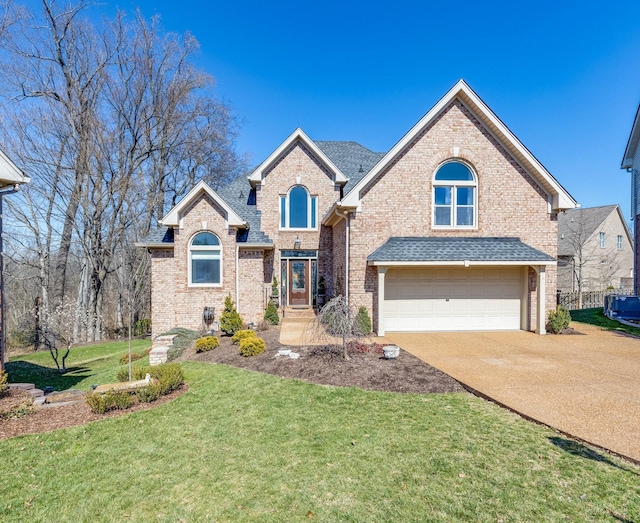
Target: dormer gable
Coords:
[[259, 175], [174, 216]]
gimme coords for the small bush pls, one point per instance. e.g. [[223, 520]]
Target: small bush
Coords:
[[4, 386], [271, 314], [134, 357], [263, 326], [558, 319], [112, 400], [252, 346], [17, 408], [243, 334], [363, 321], [207, 343], [149, 393], [230, 320]]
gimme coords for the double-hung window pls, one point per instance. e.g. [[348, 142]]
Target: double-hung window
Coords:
[[205, 260], [603, 239], [298, 209], [619, 242], [454, 196]]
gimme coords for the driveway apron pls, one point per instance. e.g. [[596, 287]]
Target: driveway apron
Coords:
[[586, 385]]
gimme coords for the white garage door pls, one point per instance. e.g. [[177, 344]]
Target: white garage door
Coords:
[[443, 299]]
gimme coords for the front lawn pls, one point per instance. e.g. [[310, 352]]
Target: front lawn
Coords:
[[596, 317], [87, 365], [243, 446]]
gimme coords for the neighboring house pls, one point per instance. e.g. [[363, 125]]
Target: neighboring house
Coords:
[[454, 228], [631, 162], [10, 180], [595, 249]]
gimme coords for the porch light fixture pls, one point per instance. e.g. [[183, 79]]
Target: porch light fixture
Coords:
[[296, 243]]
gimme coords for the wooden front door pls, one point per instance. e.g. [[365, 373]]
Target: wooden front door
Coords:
[[299, 282]]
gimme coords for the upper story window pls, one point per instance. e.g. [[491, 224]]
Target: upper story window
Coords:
[[619, 242], [454, 196], [205, 260], [298, 209], [603, 238]]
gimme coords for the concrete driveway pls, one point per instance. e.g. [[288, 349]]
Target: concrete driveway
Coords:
[[587, 385]]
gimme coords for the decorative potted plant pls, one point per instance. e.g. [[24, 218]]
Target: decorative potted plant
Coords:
[[275, 291], [320, 297]]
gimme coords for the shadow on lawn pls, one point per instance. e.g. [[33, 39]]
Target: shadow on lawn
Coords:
[[577, 449], [41, 376]]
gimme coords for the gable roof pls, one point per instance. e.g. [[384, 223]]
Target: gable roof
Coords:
[[172, 218], [257, 176], [354, 160], [408, 250], [10, 174], [560, 198], [632, 142], [577, 226]]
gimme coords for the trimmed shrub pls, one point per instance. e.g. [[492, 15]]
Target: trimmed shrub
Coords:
[[243, 334], [363, 321], [207, 343], [230, 320], [558, 319], [112, 400], [134, 357], [149, 393], [4, 386], [271, 314], [252, 346]]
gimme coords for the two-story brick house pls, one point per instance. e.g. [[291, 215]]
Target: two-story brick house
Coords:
[[454, 228]]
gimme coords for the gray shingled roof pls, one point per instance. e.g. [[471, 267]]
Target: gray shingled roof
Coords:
[[242, 199], [158, 237], [429, 249], [576, 226], [354, 160]]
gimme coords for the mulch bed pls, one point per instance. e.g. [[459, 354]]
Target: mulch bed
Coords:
[[367, 369], [326, 366]]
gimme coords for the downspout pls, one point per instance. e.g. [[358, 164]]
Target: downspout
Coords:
[[13, 190], [347, 234]]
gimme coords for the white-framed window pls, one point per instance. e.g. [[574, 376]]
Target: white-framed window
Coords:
[[603, 240], [298, 209], [619, 242], [205, 260], [455, 193]]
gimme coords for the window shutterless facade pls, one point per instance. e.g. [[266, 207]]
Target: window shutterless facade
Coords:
[[454, 197], [298, 209], [603, 240], [619, 242], [205, 260]]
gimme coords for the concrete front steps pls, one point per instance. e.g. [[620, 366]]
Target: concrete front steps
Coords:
[[298, 311], [30, 388]]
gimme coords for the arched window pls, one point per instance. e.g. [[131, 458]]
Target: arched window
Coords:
[[205, 260], [298, 209], [454, 196]]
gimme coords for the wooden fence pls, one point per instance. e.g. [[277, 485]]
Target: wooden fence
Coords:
[[590, 299]]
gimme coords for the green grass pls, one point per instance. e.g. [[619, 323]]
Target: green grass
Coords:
[[87, 365], [597, 317], [241, 446]]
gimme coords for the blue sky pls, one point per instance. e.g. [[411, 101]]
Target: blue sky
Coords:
[[563, 76]]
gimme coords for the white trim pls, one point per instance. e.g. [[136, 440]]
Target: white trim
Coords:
[[258, 175], [632, 142], [190, 249], [561, 199], [174, 217], [458, 263], [10, 174], [310, 211]]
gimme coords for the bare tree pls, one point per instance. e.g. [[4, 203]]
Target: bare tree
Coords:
[[336, 324], [113, 123]]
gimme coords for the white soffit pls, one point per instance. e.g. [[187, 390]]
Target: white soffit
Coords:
[[560, 198], [298, 135], [9, 173], [632, 143], [172, 218]]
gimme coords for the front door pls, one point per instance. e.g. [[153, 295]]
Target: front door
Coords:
[[299, 282]]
